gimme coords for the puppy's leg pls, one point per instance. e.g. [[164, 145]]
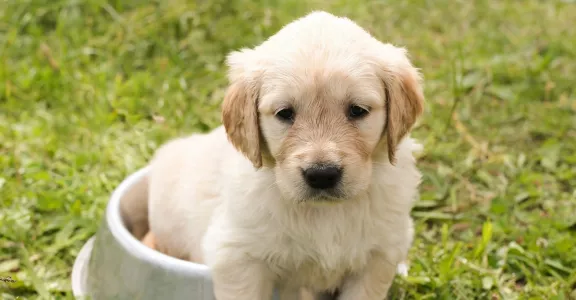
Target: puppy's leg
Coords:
[[291, 293], [134, 208], [149, 240], [241, 279], [372, 284]]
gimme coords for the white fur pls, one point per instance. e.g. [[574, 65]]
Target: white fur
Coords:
[[209, 204]]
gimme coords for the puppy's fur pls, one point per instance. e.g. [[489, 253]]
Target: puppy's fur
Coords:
[[236, 200]]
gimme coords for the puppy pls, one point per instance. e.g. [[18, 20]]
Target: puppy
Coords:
[[310, 181]]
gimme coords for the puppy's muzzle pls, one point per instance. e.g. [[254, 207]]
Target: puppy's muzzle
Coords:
[[322, 176]]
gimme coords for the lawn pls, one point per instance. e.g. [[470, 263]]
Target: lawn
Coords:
[[89, 89]]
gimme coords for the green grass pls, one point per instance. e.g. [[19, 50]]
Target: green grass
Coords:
[[89, 89]]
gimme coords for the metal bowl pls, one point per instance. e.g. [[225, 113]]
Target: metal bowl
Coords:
[[114, 264]]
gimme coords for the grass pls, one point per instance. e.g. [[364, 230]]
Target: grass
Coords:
[[89, 89]]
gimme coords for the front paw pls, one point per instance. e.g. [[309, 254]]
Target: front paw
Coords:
[[402, 269], [371, 284], [241, 280]]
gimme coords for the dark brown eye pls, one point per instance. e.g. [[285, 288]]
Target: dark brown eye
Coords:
[[357, 112], [286, 114]]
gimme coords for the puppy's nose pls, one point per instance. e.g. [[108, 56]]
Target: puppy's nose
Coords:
[[323, 176]]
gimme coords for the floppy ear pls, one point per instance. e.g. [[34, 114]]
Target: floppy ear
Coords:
[[239, 109], [404, 97]]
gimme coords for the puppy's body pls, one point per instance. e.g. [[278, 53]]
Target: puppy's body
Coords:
[[235, 198], [204, 191]]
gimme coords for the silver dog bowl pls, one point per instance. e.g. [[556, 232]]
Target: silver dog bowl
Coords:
[[114, 264]]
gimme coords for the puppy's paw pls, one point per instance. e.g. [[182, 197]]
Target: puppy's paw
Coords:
[[149, 240], [402, 269]]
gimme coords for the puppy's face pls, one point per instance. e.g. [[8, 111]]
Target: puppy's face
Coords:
[[319, 109], [321, 124]]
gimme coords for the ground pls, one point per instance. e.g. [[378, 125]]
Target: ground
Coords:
[[89, 89]]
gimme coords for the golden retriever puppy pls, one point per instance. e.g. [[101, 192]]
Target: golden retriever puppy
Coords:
[[310, 181]]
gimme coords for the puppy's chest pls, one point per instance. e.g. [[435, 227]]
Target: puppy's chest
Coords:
[[320, 256]]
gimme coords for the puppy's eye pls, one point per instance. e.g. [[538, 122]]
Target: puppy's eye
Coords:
[[286, 114], [357, 112]]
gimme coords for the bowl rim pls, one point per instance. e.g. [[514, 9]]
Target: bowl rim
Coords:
[[134, 246]]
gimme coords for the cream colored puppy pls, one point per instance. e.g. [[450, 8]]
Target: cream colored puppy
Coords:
[[310, 181]]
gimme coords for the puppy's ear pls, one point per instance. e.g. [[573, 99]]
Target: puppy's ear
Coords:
[[239, 108], [404, 96]]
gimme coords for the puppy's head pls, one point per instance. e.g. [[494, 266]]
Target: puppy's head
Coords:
[[321, 102]]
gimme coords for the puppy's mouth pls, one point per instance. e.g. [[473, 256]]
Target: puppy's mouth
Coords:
[[327, 196]]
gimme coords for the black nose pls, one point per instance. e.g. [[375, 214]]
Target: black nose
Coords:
[[323, 176]]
